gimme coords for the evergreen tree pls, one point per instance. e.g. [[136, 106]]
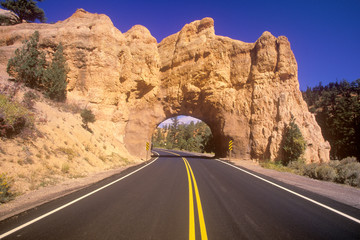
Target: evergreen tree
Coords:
[[158, 138], [294, 144], [28, 64], [54, 80], [189, 131], [30, 67], [175, 122], [337, 110], [25, 10], [190, 137]]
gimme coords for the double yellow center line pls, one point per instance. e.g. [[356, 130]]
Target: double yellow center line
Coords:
[[192, 181]]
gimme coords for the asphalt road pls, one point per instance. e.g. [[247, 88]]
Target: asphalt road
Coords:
[[182, 196]]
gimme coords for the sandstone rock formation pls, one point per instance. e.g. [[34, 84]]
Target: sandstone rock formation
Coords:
[[7, 17], [243, 91]]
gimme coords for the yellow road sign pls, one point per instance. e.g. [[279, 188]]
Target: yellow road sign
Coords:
[[147, 146], [231, 145]]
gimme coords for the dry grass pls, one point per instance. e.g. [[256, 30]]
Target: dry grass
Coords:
[[60, 148]]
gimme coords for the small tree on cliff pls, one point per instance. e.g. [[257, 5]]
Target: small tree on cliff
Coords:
[[25, 10], [30, 67], [28, 64], [54, 81], [87, 116], [294, 144]]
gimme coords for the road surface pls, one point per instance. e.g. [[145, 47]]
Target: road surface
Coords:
[[183, 196]]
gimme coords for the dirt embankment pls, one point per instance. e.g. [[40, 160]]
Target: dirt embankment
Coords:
[[58, 150]]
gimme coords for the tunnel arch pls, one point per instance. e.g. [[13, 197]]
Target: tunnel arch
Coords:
[[245, 92], [143, 123]]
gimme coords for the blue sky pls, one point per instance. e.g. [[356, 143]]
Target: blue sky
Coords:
[[182, 120], [324, 34]]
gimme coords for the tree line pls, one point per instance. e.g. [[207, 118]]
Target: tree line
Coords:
[[337, 110], [193, 137]]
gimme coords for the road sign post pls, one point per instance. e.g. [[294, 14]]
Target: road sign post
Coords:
[[230, 148], [147, 150]]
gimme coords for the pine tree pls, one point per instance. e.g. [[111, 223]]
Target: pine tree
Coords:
[[28, 64], [54, 81], [337, 110], [294, 144], [25, 10]]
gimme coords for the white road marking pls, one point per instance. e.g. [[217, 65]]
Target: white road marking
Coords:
[[72, 202], [295, 193]]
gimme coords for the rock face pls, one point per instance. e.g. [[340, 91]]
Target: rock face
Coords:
[[7, 17], [244, 91]]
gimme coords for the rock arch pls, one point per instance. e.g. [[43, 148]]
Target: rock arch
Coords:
[[243, 91]]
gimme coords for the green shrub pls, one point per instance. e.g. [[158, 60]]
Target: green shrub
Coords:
[[298, 166], [65, 168], [5, 189], [334, 163], [68, 151], [29, 66], [294, 144], [325, 172], [13, 110], [87, 116], [348, 160], [29, 99], [13, 117], [349, 173], [310, 170], [275, 166]]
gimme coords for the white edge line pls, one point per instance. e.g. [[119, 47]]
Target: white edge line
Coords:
[[295, 193], [72, 202]]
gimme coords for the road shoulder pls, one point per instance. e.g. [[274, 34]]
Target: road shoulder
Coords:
[[338, 192], [43, 195]]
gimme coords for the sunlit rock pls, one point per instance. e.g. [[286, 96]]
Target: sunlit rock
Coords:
[[244, 91]]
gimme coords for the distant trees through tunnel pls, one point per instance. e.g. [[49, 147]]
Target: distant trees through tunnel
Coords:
[[184, 133]]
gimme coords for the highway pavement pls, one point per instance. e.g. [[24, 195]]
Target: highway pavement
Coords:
[[185, 196]]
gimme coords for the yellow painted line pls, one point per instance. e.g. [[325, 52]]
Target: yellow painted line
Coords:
[[200, 211], [191, 206], [198, 203], [191, 176]]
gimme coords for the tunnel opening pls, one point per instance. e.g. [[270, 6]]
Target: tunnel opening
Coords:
[[184, 133], [224, 127]]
